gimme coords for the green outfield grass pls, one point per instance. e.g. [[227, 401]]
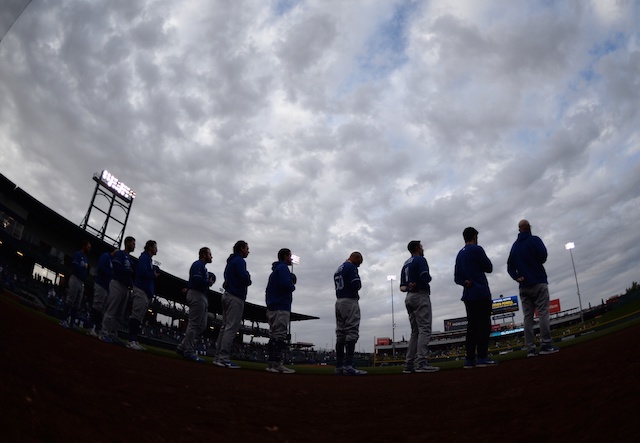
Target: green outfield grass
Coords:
[[615, 320]]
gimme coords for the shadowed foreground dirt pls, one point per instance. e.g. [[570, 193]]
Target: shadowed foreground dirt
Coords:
[[59, 385]]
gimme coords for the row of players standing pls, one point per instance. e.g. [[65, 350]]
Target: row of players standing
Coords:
[[116, 280], [525, 265]]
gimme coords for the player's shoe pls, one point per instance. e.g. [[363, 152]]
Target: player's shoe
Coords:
[[226, 364], [408, 369], [469, 364], [136, 346], [106, 339], [546, 350], [193, 357], [92, 332], [350, 370], [65, 324], [339, 370], [427, 369], [484, 362], [280, 368], [532, 353]]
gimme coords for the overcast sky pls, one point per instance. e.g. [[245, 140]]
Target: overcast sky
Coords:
[[334, 126]]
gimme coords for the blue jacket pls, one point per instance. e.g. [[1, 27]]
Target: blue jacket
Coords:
[[122, 268], [416, 270], [526, 259], [279, 293], [104, 273], [471, 264], [199, 277], [145, 275], [236, 277], [79, 265], [347, 281]]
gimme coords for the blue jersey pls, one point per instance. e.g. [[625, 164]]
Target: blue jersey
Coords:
[[122, 268], [145, 275], [279, 293], [199, 277], [347, 281], [236, 276], [471, 264], [416, 270], [105, 271], [80, 265]]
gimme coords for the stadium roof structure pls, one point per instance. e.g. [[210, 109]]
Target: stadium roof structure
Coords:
[[45, 232]]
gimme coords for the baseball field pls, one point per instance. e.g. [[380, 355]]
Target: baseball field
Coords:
[[62, 385]]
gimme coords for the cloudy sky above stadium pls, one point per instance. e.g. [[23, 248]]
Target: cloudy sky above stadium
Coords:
[[334, 126]]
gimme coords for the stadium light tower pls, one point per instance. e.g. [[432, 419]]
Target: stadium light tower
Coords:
[[116, 196], [569, 246], [391, 279], [295, 260]]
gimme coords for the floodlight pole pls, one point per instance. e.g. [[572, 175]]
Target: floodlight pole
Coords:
[[294, 259], [391, 279], [569, 246]]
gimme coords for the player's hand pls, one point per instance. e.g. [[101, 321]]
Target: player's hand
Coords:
[[294, 279]]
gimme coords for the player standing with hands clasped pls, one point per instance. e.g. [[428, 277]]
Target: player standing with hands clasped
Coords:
[[236, 282], [104, 272], [121, 284], [471, 264], [414, 280], [200, 280], [347, 283], [80, 268], [526, 266], [279, 295], [143, 292]]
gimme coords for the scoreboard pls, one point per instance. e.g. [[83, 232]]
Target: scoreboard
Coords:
[[504, 304]]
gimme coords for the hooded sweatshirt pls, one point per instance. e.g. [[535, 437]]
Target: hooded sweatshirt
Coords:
[[279, 293], [236, 276], [526, 259]]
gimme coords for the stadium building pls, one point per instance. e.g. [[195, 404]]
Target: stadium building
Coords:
[[37, 244]]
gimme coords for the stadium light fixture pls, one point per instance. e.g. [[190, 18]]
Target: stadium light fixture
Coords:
[[569, 246], [391, 279], [116, 185], [295, 260]]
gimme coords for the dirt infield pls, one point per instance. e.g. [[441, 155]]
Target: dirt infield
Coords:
[[59, 385]]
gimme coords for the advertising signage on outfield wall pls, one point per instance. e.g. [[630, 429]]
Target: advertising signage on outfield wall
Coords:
[[455, 324], [504, 304], [554, 307]]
